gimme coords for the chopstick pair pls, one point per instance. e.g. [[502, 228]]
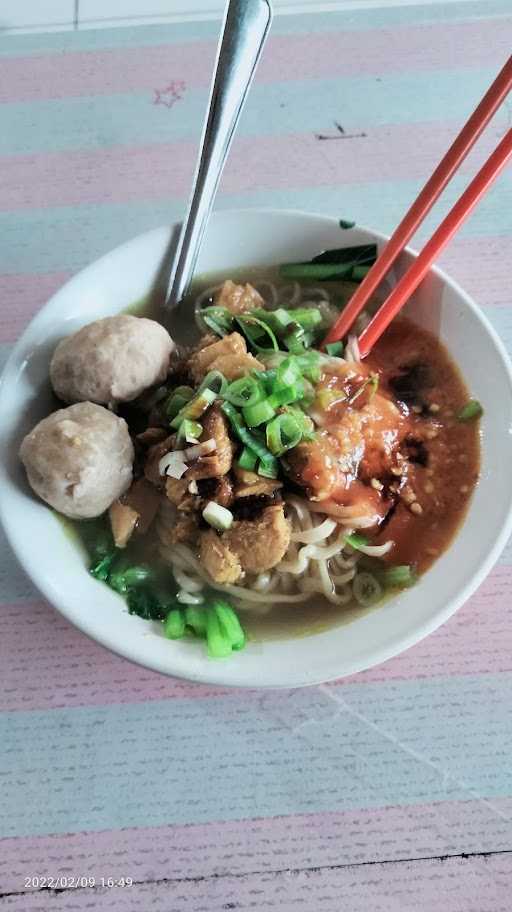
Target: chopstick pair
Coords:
[[418, 212]]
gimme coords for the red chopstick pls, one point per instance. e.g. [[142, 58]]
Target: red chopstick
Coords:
[[426, 199], [448, 227]]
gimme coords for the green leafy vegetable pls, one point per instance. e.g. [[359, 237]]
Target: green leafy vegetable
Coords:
[[343, 223], [341, 263], [145, 604], [229, 624], [218, 644], [101, 569], [174, 624], [195, 619]]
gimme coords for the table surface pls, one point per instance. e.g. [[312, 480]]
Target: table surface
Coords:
[[390, 790]]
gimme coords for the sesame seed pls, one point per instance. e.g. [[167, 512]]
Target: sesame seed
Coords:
[[434, 407], [416, 508], [428, 487], [376, 484]]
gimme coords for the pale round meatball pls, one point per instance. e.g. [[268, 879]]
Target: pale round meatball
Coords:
[[111, 360], [79, 459]]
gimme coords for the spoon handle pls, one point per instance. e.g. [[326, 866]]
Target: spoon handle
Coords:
[[246, 25]]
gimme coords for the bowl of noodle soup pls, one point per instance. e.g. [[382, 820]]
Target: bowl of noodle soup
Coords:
[[304, 625]]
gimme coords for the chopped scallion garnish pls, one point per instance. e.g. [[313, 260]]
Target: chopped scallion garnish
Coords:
[[217, 517], [247, 437], [247, 459], [283, 433], [245, 391], [356, 541], [190, 431], [399, 577], [259, 413], [335, 349], [177, 399], [195, 407], [471, 411], [258, 333], [218, 319]]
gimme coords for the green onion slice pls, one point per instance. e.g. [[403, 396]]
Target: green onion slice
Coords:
[[367, 589], [256, 332], [335, 349], [218, 319], [285, 395], [249, 439], [190, 431], [195, 408], [259, 413], [246, 391], [471, 411], [214, 381], [268, 467], [177, 399], [399, 577], [288, 372], [247, 459], [356, 541], [307, 317], [283, 433]]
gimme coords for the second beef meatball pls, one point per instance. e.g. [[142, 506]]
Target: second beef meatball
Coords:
[[79, 459]]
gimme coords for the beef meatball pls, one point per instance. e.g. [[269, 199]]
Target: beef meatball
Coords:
[[79, 459], [111, 360]]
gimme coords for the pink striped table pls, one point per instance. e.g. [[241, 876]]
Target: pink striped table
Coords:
[[387, 791]]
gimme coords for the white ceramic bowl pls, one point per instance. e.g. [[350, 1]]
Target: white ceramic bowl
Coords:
[[56, 566]]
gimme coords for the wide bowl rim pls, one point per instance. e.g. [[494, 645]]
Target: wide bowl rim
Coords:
[[213, 672]]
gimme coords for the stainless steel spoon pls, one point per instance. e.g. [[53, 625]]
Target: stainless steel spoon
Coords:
[[246, 26]]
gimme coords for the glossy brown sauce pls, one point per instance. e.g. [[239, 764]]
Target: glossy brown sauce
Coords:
[[444, 485]]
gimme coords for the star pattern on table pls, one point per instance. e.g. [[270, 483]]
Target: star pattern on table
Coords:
[[170, 94]]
